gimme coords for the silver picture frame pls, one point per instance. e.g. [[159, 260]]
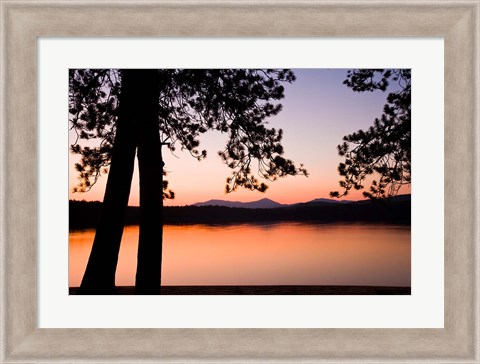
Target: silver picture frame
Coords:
[[22, 22]]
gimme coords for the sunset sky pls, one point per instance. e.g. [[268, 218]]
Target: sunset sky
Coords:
[[318, 110]]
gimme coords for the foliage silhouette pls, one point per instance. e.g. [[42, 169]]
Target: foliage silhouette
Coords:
[[384, 150], [129, 110]]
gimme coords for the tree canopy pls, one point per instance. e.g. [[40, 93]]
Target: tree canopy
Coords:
[[383, 151], [233, 101]]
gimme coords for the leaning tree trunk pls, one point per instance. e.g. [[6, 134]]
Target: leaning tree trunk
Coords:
[[150, 166], [99, 277]]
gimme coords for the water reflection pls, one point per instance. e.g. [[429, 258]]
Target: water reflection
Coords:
[[274, 254]]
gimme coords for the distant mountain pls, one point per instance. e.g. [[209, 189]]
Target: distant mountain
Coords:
[[327, 200], [264, 203], [396, 198]]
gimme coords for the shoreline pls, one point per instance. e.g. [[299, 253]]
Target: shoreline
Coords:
[[268, 290], [86, 214]]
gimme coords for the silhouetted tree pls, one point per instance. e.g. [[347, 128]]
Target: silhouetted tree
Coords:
[[145, 109], [384, 149]]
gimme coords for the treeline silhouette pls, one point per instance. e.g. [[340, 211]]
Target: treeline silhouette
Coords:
[[84, 214]]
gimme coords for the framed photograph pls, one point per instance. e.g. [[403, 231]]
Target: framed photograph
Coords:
[[285, 268], [296, 237]]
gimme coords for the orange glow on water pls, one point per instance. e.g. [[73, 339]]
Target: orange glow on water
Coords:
[[276, 254]]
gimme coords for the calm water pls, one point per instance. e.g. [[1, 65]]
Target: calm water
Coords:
[[277, 254]]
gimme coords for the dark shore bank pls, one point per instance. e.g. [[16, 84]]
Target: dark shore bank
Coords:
[[269, 290], [85, 215]]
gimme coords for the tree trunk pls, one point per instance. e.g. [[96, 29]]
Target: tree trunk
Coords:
[[150, 165], [99, 277]]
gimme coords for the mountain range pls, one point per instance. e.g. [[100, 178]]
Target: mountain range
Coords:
[[266, 203]]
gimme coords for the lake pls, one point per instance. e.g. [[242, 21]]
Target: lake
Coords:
[[269, 254]]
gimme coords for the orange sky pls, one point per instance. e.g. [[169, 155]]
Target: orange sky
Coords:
[[318, 111]]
